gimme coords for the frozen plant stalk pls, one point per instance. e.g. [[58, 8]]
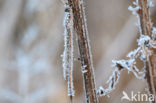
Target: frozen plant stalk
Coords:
[[68, 49], [146, 52], [146, 29], [80, 27], [75, 18]]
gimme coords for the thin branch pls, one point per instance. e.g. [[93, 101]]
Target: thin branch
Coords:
[[68, 49], [80, 26], [131, 33], [144, 52], [146, 29]]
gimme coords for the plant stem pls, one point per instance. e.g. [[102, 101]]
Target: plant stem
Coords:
[[80, 26], [68, 49], [146, 29]]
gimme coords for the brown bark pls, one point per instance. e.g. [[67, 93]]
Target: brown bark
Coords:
[[84, 49], [146, 29], [68, 49]]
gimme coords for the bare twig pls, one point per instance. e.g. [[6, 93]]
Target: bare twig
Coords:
[[144, 51], [130, 30], [128, 33], [84, 49], [146, 29], [68, 49]]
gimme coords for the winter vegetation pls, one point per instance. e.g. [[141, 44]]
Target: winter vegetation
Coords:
[[145, 51], [76, 51]]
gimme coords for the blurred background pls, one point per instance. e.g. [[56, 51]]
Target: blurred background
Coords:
[[31, 42]]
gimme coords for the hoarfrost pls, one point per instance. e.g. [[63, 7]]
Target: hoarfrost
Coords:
[[68, 57], [143, 40], [66, 19], [134, 54], [68, 44], [142, 56], [153, 44], [102, 92], [113, 80], [133, 9], [154, 32], [125, 63], [130, 66], [84, 69], [145, 43]]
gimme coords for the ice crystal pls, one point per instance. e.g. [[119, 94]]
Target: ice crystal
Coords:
[[133, 9], [154, 32], [143, 40], [134, 54], [102, 92], [84, 69], [68, 44]]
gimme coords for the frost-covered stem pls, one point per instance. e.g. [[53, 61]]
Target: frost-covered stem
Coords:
[[145, 22], [68, 49], [84, 49], [146, 29]]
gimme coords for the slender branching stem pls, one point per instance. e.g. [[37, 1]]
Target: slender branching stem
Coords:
[[68, 49], [80, 26], [146, 29], [146, 51]]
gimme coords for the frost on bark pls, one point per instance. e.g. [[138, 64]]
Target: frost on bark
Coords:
[[146, 51], [80, 26], [68, 49], [146, 29]]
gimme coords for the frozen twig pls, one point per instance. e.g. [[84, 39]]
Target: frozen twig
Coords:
[[68, 48], [130, 30], [80, 26], [145, 51], [146, 29], [119, 66]]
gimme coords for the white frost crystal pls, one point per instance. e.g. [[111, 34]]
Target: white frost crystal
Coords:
[[84, 69], [154, 32], [133, 9], [68, 57], [143, 40]]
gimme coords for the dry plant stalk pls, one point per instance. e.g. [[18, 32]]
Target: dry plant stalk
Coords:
[[146, 29], [146, 51], [80, 26], [68, 49], [75, 18], [77, 14]]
